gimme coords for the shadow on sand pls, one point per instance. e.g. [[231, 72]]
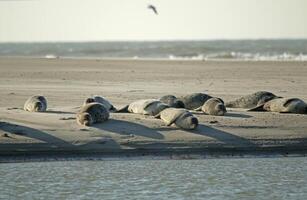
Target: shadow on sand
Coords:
[[58, 112], [51, 142], [32, 133], [125, 128], [238, 115], [227, 114], [222, 136]]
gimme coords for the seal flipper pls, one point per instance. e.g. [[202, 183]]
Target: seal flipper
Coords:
[[170, 123], [123, 110], [158, 116], [198, 109], [259, 108]]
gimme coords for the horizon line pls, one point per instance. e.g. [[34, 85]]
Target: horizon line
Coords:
[[154, 40]]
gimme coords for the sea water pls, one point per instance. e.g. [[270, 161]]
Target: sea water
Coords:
[[248, 178], [294, 49]]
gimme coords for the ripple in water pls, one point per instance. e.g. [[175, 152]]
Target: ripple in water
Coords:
[[265, 178]]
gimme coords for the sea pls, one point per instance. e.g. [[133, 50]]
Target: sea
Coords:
[[210, 179], [272, 50]]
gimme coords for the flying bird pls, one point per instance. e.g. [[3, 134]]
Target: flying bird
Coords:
[[153, 8]]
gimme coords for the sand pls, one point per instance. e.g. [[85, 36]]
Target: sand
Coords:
[[67, 82]]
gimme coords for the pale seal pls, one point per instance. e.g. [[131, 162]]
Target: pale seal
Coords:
[[251, 100], [214, 106], [182, 118], [172, 101], [283, 105], [92, 113], [36, 104], [195, 100], [103, 101], [145, 107]]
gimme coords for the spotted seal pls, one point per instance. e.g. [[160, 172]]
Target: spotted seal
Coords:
[[251, 100], [36, 104], [92, 113], [182, 118], [195, 100], [283, 105]]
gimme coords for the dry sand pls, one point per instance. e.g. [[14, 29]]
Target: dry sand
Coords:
[[67, 82]]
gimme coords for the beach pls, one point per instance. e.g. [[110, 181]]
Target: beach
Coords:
[[66, 83]]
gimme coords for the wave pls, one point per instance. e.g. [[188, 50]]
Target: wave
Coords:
[[217, 56], [243, 56]]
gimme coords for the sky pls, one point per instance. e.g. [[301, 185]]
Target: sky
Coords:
[[112, 20]]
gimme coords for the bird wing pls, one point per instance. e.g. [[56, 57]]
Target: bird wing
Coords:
[[153, 9]]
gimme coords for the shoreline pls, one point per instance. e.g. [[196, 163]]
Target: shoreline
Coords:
[[144, 155]]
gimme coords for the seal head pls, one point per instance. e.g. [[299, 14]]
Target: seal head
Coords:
[[187, 121], [38, 106], [85, 119]]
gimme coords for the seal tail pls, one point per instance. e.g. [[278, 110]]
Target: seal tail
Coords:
[[123, 110], [198, 109]]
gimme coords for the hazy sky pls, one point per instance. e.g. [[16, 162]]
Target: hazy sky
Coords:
[[86, 20]]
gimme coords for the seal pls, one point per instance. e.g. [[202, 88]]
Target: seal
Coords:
[[103, 101], [172, 101], [283, 105], [251, 100], [36, 104], [92, 113], [145, 107], [195, 100], [182, 118], [214, 106]]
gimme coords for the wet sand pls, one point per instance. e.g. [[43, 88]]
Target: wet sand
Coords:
[[67, 82]]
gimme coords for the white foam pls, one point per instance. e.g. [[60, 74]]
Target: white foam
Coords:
[[51, 56], [243, 56]]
